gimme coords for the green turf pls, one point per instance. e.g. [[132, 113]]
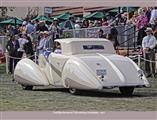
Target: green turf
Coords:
[[13, 98]]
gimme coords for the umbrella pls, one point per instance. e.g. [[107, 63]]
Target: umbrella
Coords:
[[42, 18], [62, 24], [64, 16], [95, 15], [129, 9], [14, 21], [114, 10], [124, 9]]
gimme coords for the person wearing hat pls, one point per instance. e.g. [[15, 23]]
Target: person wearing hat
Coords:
[[42, 40], [55, 31], [148, 44], [77, 24], [23, 27], [46, 39]]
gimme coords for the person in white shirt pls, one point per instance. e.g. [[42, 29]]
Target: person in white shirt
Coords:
[[77, 24], [153, 16], [44, 42], [148, 44], [40, 47], [22, 41], [77, 27]]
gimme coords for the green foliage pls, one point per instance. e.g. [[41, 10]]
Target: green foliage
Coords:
[[67, 35]]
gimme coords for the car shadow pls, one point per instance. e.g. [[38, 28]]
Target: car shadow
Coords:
[[51, 89], [114, 94], [107, 94]]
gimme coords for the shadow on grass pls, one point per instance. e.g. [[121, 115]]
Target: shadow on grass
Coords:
[[52, 89], [112, 94]]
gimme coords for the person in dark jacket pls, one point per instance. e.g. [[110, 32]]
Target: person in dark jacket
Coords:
[[41, 26], [12, 47], [69, 24], [114, 34], [28, 47], [101, 34]]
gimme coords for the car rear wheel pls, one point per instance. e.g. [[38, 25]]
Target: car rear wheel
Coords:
[[27, 87], [73, 91], [126, 91]]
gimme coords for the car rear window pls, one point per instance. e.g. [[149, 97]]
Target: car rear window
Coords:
[[93, 47]]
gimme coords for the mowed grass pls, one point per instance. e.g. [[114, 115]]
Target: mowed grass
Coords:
[[13, 98]]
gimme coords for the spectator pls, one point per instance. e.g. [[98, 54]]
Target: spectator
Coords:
[[148, 44], [109, 19], [85, 24], [29, 28], [69, 24], [77, 27], [57, 48], [22, 41], [12, 47], [99, 23], [46, 37], [41, 27], [36, 24], [101, 34], [141, 24], [15, 30], [10, 30], [28, 47], [55, 29], [114, 33], [23, 27], [104, 22], [123, 18], [155, 32], [77, 24], [42, 43], [153, 18], [133, 20], [148, 12], [95, 23], [155, 35], [90, 24]]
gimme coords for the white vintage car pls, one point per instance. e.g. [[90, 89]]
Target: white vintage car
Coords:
[[84, 64]]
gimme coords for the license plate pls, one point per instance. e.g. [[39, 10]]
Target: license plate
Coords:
[[101, 72]]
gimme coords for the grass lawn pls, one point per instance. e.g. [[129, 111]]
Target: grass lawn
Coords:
[[13, 98]]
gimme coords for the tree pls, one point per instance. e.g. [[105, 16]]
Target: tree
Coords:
[[3, 11]]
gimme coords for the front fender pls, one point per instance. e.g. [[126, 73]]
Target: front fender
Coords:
[[28, 73]]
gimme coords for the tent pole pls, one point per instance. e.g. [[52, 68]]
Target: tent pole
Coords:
[[118, 9], [15, 22]]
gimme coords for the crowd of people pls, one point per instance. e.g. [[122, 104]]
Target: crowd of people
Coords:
[[21, 40]]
